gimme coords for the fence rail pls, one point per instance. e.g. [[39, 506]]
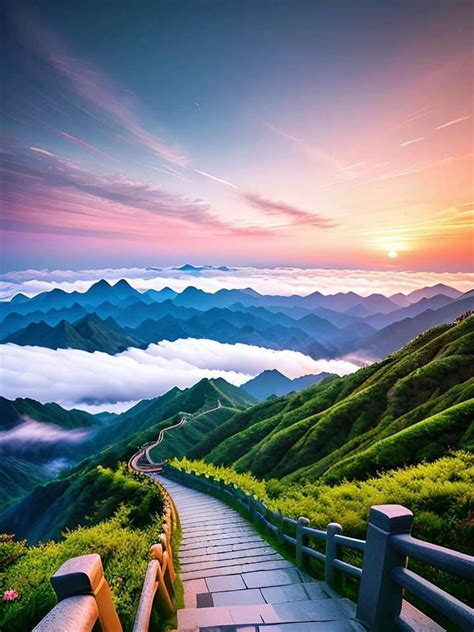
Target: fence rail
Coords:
[[383, 577]]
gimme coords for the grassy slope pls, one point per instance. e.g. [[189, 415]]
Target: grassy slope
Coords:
[[11, 410], [148, 414], [120, 514], [416, 404], [49, 508], [178, 442], [17, 477]]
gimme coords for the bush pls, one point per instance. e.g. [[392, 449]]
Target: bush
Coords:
[[121, 536]]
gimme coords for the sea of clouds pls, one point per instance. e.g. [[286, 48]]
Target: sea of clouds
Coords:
[[281, 280], [98, 381]]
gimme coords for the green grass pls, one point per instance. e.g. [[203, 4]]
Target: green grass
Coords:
[[120, 525], [440, 494], [415, 405]]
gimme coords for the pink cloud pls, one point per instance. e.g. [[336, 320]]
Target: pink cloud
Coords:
[[296, 215]]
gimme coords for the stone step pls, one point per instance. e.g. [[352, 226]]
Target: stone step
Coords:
[[272, 595], [309, 626], [314, 611], [245, 568]]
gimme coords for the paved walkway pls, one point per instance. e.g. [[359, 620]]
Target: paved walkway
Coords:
[[235, 582]]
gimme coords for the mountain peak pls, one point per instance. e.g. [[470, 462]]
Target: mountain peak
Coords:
[[100, 285], [123, 283], [19, 298]]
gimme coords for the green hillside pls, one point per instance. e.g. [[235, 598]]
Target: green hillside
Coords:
[[415, 405], [148, 413], [51, 507], [11, 412], [120, 514], [180, 441], [17, 477]]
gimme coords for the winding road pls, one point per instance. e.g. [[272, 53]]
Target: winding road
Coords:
[[142, 460]]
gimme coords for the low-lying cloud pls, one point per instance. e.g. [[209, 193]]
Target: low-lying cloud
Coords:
[[98, 381], [281, 280], [33, 432]]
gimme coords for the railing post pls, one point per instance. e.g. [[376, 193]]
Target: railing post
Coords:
[[300, 539], [332, 551], [84, 575], [279, 524], [251, 505], [380, 598]]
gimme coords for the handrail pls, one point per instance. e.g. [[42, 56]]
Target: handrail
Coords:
[[74, 614], [84, 594], [459, 613], [161, 575], [381, 606], [445, 559], [275, 522], [77, 578]]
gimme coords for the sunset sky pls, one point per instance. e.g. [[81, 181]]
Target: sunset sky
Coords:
[[313, 134]]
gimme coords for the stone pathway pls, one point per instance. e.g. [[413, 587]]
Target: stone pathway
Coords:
[[235, 582]]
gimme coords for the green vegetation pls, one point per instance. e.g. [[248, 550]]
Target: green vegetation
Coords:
[[119, 514], [414, 406], [180, 441], [17, 477], [440, 494]]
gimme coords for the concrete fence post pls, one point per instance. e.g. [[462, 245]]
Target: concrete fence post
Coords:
[[300, 540], [251, 506], [332, 552], [380, 598], [84, 575], [280, 527]]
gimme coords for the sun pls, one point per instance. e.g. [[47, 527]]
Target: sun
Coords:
[[393, 254]]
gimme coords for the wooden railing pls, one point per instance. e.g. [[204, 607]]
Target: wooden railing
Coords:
[[160, 576], [384, 576], [84, 596]]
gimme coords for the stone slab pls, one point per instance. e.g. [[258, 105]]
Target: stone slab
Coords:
[[263, 579], [229, 582], [238, 598], [285, 594]]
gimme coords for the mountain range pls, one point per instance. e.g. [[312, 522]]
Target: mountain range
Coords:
[[414, 406], [111, 318]]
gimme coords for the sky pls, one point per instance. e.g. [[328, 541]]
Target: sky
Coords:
[[312, 134]]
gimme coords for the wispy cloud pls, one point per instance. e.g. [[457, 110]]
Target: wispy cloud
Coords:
[[44, 192], [82, 143], [91, 84], [216, 179], [310, 150], [36, 182], [412, 141], [453, 122], [296, 215], [45, 152]]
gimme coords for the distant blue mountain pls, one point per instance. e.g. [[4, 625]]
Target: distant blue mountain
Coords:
[[273, 382]]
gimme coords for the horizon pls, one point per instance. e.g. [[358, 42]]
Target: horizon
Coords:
[[280, 280]]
